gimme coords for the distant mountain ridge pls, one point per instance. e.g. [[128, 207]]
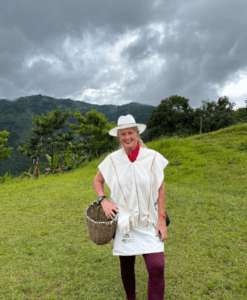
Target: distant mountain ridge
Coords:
[[15, 118]]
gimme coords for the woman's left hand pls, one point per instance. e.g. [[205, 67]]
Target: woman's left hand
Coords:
[[161, 226]]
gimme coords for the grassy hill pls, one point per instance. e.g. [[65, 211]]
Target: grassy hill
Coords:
[[46, 251]]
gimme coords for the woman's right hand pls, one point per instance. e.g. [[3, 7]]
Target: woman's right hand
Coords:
[[110, 209]]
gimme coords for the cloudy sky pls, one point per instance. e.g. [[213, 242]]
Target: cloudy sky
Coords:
[[116, 52]]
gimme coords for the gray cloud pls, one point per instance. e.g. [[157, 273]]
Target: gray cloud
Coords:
[[115, 52], [202, 51]]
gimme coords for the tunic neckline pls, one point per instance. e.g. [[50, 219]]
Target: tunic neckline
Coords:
[[126, 156]]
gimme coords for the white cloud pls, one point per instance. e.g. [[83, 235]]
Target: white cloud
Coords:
[[235, 88], [53, 61]]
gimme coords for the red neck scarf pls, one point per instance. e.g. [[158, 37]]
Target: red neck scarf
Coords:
[[133, 156]]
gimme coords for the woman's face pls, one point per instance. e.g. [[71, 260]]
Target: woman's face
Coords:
[[128, 138]]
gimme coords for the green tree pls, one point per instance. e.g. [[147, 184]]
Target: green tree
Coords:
[[96, 130], [47, 125], [215, 115], [241, 113], [172, 116], [224, 114], [4, 152], [203, 115]]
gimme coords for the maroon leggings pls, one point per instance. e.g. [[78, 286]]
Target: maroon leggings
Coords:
[[155, 263]]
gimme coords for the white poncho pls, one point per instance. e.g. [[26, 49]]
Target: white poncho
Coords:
[[134, 186]]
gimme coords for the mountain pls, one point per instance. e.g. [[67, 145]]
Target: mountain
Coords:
[[16, 118]]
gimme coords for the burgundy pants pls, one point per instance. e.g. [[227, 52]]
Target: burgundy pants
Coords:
[[155, 263]]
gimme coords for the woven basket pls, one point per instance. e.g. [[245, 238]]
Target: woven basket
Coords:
[[101, 229]]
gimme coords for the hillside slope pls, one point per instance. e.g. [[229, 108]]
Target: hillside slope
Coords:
[[46, 250], [216, 160]]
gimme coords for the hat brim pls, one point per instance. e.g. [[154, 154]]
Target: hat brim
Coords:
[[141, 127]]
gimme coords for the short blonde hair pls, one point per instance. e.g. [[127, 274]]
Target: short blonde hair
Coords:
[[140, 142]]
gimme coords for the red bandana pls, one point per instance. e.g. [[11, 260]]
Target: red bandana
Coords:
[[133, 156]]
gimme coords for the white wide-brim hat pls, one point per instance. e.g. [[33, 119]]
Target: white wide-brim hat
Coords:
[[127, 122]]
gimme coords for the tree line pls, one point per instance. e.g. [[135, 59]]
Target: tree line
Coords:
[[172, 117], [95, 140]]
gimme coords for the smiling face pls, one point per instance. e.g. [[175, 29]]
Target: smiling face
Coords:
[[128, 138]]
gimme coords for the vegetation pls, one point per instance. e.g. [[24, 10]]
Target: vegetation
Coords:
[[94, 128], [174, 116], [171, 116], [16, 119], [241, 113], [46, 251]]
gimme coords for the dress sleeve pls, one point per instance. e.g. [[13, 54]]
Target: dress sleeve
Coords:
[[106, 169]]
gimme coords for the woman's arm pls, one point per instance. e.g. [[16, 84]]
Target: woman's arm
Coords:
[[109, 208], [162, 201], [99, 184]]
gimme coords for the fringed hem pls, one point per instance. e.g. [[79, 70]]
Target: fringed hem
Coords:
[[125, 227]]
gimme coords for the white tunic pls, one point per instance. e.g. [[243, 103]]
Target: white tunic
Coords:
[[137, 241], [134, 190]]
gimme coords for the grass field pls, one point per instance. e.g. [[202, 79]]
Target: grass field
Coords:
[[46, 251]]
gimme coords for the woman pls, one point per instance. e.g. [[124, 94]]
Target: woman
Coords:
[[135, 177]]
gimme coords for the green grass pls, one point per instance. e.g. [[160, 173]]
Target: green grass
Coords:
[[46, 252]]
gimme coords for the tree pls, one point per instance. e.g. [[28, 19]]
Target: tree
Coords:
[[215, 115], [203, 116], [241, 113], [224, 114], [4, 152], [173, 115], [96, 130], [47, 125]]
